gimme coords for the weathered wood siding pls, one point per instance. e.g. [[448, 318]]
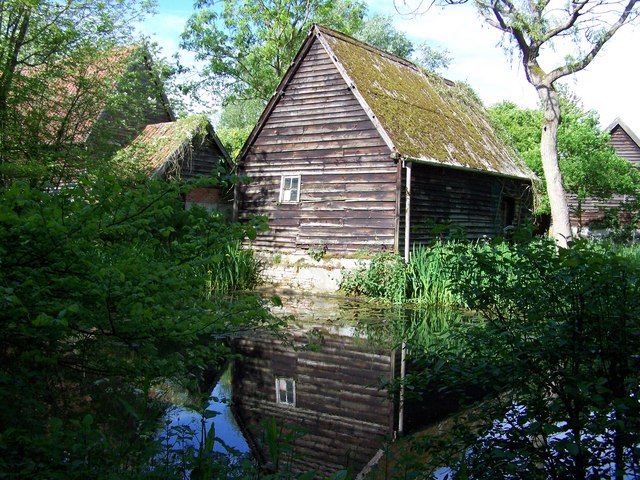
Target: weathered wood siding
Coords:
[[624, 145], [205, 157], [591, 211], [338, 403], [319, 131], [481, 204]]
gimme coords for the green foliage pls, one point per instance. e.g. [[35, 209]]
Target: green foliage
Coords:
[[317, 251], [589, 166], [425, 279], [385, 278], [429, 281], [241, 113], [233, 268], [378, 31], [553, 358], [237, 120], [104, 293], [44, 48], [431, 58], [248, 46], [233, 139]]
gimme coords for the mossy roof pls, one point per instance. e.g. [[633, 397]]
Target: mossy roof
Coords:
[[167, 145], [425, 117]]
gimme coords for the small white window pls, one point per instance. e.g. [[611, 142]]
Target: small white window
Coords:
[[286, 391], [290, 188]]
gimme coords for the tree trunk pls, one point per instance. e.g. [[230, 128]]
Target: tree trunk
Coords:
[[560, 225], [8, 63]]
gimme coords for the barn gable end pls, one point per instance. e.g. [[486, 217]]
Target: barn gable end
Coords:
[[318, 135]]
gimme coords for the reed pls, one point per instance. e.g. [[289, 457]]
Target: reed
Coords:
[[233, 268], [429, 274]]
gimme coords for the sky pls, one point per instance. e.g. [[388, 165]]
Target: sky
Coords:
[[610, 85]]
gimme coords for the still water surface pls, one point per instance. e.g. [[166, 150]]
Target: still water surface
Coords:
[[319, 384]]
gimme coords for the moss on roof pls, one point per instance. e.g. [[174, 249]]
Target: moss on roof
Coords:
[[426, 117], [165, 147]]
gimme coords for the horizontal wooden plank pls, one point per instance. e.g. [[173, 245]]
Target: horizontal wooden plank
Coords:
[[317, 128], [311, 141]]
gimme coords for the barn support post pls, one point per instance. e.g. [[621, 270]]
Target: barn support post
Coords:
[[236, 200], [407, 212]]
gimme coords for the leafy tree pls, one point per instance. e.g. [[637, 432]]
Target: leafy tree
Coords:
[[574, 33], [108, 287], [241, 112], [105, 295], [547, 371], [236, 122], [431, 58], [589, 165], [248, 46], [378, 31], [41, 43]]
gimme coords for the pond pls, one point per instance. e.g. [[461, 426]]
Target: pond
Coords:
[[312, 397]]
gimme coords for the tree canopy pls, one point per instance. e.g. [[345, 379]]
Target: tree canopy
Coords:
[[248, 46], [589, 165], [545, 370], [242, 100], [379, 31], [109, 289], [59, 62]]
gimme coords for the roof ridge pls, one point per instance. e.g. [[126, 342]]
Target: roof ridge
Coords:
[[366, 46], [437, 122], [619, 122]]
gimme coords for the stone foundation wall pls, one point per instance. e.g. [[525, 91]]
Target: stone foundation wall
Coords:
[[303, 273]]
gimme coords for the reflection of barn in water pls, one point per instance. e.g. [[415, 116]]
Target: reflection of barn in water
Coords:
[[331, 391]]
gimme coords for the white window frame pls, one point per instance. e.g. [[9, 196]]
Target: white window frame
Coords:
[[285, 193], [282, 387]]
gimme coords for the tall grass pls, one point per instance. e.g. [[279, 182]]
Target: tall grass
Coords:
[[629, 251], [429, 274], [425, 279], [234, 268]]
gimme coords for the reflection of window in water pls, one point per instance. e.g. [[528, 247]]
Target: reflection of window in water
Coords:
[[286, 391]]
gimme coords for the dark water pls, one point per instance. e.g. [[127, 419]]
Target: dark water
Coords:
[[312, 397]]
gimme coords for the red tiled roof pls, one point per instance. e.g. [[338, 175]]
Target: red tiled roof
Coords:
[[73, 99]]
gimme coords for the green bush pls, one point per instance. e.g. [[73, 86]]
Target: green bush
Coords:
[[554, 353], [104, 294], [234, 268], [425, 279], [384, 278]]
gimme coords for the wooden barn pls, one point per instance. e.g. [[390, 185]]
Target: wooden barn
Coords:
[[627, 145], [361, 150], [625, 142], [184, 149], [107, 100]]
